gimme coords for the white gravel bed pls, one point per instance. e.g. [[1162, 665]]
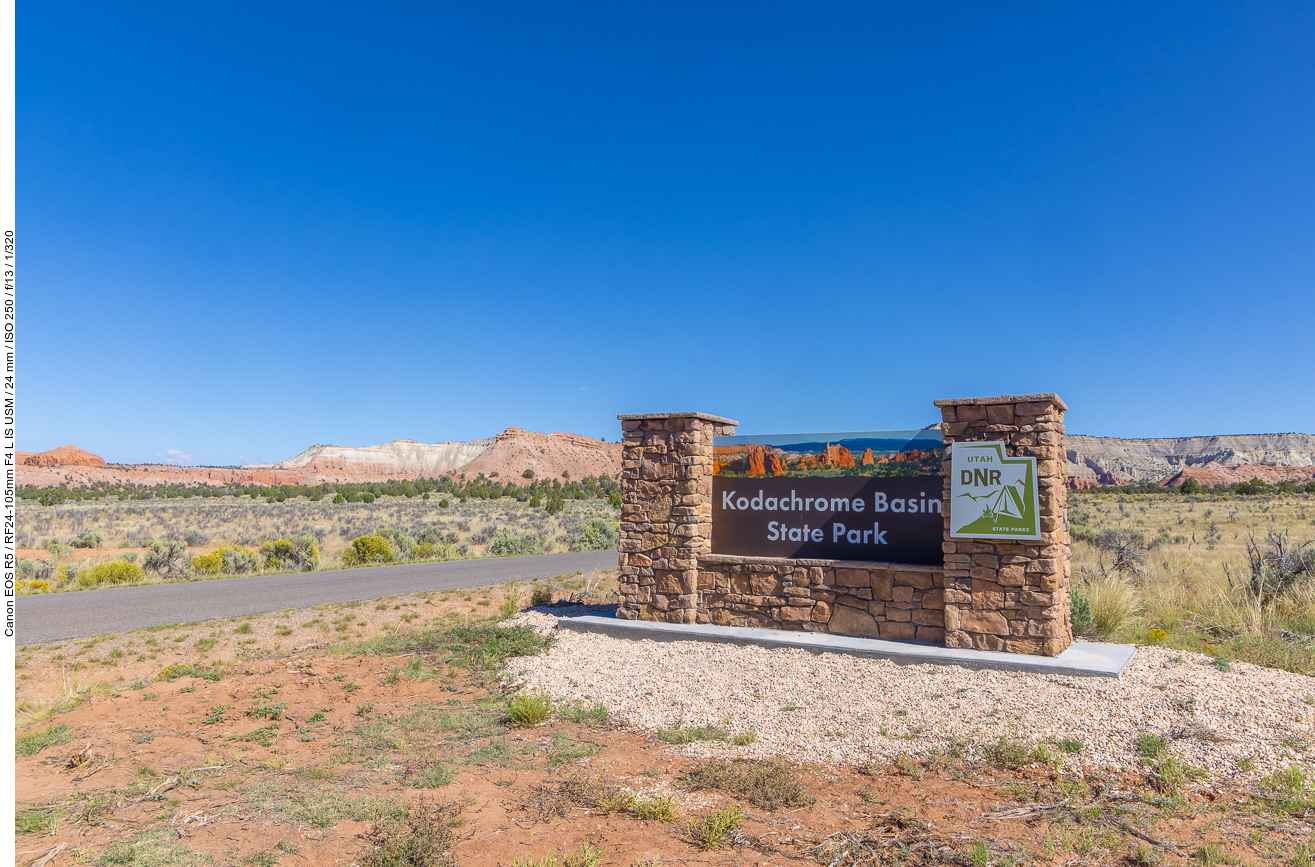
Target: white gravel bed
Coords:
[[853, 710]]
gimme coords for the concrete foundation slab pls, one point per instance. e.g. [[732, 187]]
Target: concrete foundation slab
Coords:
[[1081, 659]]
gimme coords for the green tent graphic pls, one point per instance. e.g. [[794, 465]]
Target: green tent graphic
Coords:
[[1004, 509]]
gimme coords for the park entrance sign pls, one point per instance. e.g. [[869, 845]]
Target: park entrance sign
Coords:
[[992, 496], [956, 535], [871, 495]]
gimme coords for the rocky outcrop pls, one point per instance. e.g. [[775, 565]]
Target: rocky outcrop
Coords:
[[397, 459], [762, 461], [1214, 474], [514, 451], [831, 457], [1096, 461], [64, 456]]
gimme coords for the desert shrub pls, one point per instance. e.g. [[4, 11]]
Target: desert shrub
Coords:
[[338, 498], [368, 549], [89, 539], [1125, 551], [1278, 566], [1191, 486], [431, 535], [55, 547], [1080, 608], [367, 497], [402, 542], [194, 538], [113, 572], [37, 586], [508, 542], [599, 534], [540, 596], [301, 553], [164, 558], [34, 570], [554, 502], [1255, 486], [229, 560]]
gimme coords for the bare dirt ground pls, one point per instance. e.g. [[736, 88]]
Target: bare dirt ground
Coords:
[[292, 735]]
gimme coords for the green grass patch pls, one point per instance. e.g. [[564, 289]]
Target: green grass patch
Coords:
[[33, 742], [770, 784], [1010, 754], [263, 736], [580, 714], [680, 735], [188, 669], [419, 837], [709, 833], [479, 647], [565, 748], [153, 849], [319, 806], [529, 709], [429, 776], [1150, 746], [39, 820]]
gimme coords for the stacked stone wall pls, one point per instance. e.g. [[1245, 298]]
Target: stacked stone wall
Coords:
[[1013, 595], [876, 600], [666, 512]]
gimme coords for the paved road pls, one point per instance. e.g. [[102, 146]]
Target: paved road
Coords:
[[62, 616]]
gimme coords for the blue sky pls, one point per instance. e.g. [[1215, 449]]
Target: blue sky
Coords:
[[248, 228]]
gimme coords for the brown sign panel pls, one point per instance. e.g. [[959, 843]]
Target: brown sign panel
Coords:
[[894, 519]]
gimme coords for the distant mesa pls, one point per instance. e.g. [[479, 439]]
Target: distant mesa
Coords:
[[64, 456], [1212, 460], [507, 455]]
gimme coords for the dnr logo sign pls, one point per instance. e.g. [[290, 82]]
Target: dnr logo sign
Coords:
[[992, 496]]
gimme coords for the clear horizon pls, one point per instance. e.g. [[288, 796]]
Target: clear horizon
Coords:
[[245, 230]]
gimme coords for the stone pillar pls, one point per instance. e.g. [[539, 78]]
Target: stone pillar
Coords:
[[1011, 595], [666, 512]]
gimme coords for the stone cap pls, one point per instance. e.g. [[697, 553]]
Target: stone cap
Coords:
[[1050, 397], [703, 416], [740, 560]]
